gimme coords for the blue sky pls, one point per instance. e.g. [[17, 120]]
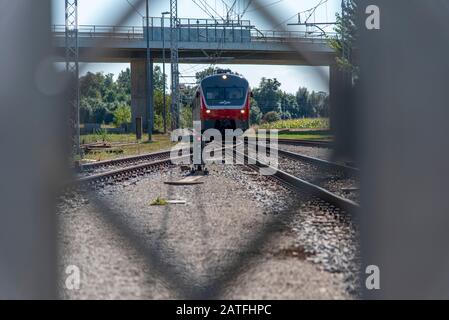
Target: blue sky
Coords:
[[105, 12]]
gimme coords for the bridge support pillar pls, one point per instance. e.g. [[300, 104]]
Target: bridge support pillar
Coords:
[[139, 106], [342, 112]]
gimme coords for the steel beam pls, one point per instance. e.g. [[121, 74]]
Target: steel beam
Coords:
[[174, 51], [72, 67]]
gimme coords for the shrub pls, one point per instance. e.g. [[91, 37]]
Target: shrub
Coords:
[[122, 115], [271, 116], [307, 123]]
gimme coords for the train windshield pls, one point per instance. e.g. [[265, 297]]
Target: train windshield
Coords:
[[225, 96]]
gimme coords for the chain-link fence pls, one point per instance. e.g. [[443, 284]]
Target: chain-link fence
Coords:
[[404, 161]]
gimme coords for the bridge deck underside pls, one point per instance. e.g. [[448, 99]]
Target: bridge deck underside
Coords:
[[306, 53]]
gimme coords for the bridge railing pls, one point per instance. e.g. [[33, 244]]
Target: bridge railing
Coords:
[[194, 30], [98, 31], [288, 36], [192, 23]]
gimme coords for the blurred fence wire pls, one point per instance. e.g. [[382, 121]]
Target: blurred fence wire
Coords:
[[31, 95], [405, 204], [46, 228]]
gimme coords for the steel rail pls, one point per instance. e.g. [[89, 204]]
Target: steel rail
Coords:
[[312, 160], [121, 173], [319, 162], [134, 169], [348, 206], [125, 160]]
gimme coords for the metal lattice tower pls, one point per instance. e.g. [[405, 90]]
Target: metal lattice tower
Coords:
[[346, 51], [72, 67], [174, 31]]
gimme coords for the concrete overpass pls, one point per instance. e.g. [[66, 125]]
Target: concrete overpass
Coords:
[[200, 41]]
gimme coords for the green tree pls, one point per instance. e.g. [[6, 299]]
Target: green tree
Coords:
[[208, 72], [289, 106], [158, 79], [344, 43], [305, 109], [255, 114], [205, 73], [91, 85], [186, 117], [122, 115], [320, 103], [124, 82], [159, 111], [268, 95], [93, 110], [97, 97]]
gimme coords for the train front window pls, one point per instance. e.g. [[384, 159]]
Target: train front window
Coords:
[[214, 95], [234, 95], [225, 97]]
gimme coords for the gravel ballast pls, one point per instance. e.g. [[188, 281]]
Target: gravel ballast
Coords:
[[200, 241], [334, 180], [314, 152]]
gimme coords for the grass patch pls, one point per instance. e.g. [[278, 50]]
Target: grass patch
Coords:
[[160, 142], [307, 135], [159, 202], [110, 137]]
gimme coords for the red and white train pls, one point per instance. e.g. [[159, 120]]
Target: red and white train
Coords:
[[222, 101]]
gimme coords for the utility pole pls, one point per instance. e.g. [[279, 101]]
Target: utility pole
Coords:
[[72, 68], [174, 63], [149, 74], [163, 69]]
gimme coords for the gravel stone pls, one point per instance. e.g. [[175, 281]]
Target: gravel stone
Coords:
[[331, 179], [311, 256]]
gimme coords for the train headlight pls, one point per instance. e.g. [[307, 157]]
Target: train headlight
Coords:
[[207, 111], [242, 111], [224, 77]]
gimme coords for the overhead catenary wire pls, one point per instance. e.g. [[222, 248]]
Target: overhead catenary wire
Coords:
[[231, 9], [246, 8], [313, 10], [191, 68], [206, 8], [202, 6], [286, 20]]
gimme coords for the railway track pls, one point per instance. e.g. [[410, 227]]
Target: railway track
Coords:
[[339, 179], [90, 167], [139, 165], [121, 174], [315, 161], [124, 168], [124, 161], [303, 185], [319, 162]]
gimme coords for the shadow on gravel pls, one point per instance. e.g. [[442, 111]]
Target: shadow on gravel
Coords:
[[170, 270]]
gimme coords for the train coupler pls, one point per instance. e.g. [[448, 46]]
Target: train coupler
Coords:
[[199, 170]]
